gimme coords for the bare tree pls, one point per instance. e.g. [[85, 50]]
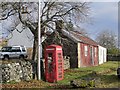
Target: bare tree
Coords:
[[107, 39], [21, 12], [65, 11], [50, 13]]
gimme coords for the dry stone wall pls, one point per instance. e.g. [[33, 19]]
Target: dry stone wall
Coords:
[[16, 71], [66, 62]]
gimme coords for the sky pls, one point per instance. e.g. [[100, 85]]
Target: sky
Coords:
[[104, 17]]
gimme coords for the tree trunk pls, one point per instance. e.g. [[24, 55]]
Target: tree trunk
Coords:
[[35, 58], [35, 50]]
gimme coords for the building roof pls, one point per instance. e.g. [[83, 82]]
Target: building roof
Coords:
[[79, 37], [84, 38]]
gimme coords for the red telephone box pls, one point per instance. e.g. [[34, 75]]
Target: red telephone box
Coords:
[[53, 63]]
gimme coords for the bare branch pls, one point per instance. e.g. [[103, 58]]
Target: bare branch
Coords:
[[8, 14]]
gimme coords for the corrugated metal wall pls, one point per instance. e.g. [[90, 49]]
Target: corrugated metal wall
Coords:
[[88, 55]]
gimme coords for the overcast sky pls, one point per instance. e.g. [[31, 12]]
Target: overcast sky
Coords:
[[104, 16]]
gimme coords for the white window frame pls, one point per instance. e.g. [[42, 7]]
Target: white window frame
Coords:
[[86, 50]]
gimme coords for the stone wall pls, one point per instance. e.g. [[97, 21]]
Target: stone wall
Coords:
[[66, 62], [15, 71]]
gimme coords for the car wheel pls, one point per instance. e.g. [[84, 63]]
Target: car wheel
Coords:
[[21, 57], [6, 57], [118, 73]]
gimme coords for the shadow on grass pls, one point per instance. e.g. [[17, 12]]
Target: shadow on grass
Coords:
[[103, 80], [111, 80]]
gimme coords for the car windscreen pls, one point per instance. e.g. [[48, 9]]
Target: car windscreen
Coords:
[[6, 49]]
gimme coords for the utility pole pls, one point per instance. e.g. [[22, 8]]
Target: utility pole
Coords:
[[39, 46]]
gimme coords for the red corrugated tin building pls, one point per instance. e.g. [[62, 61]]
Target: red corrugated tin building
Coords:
[[86, 50]]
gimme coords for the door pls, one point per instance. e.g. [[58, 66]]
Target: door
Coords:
[[92, 55], [12, 53], [50, 69], [15, 53], [18, 52], [103, 56]]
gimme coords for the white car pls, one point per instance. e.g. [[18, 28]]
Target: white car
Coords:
[[8, 52]]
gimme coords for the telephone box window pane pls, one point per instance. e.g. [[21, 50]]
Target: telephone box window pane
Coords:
[[50, 61], [59, 61], [60, 76], [59, 55], [59, 65], [49, 54]]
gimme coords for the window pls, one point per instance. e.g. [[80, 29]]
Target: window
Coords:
[[23, 49], [50, 61], [6, 49], [59, 58], [59, 55], [16, 49], [86, 50]]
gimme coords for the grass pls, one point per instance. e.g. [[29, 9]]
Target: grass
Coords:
[[105, 75]]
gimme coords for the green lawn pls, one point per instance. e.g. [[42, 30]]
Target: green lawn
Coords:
[[105, 75]]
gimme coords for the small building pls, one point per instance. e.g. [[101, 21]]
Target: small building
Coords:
[[86, 50], [102, 54], [21, 37]]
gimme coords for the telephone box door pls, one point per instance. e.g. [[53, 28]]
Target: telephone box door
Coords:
[[50, 67]]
